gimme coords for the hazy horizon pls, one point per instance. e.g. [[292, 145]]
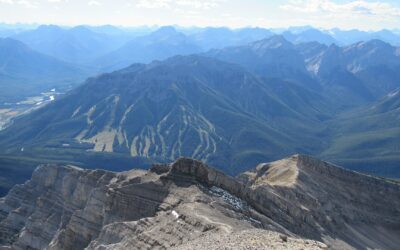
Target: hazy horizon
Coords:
[[323, 14], [277, 30]]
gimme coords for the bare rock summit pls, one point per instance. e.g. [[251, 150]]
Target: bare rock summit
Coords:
[[295, 203]]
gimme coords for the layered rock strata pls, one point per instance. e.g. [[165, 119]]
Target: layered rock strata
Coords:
[[188, 205]]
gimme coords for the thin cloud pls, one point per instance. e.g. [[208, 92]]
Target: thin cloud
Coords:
[[25, 3], [94, 3], [197, 4], [200, 4], [28, 4], [359, 8], [153, 4]]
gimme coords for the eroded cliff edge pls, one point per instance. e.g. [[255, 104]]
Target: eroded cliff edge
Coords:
[[188, 204]]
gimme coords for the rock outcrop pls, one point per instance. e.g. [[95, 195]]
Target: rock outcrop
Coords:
[[188, 205]]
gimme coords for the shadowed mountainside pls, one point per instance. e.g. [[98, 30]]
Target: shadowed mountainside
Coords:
[[25, 72], [185, 106]]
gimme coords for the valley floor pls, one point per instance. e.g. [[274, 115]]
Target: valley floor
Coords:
[[9, 111]]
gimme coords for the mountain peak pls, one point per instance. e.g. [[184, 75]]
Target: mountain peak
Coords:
[[370, 44], [333, 47], [274, 42], [291, 172], [196, 169], [166, 30], [80, 29], [49, 28]]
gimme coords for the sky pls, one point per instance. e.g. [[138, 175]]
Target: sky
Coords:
[[344, 14]]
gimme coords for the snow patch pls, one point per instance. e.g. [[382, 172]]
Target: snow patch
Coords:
[[232, 200], [175, 214], [235, 202], [393, 93]]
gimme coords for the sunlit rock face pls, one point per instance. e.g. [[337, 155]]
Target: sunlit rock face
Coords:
[[187, 204]]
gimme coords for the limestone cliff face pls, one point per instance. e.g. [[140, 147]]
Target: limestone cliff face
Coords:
[[187, 204], [37, 213], [321, 201]]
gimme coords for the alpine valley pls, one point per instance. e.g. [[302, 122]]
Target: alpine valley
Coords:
[[118, 138]]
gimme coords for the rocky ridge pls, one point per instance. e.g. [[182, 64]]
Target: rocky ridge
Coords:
[[188, 205]]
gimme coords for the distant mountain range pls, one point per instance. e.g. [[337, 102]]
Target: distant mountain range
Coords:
[[337, 36], [310, 35], [217, 38], [349, 75], [107, 51], [212, 37], [77, 45], [25, 72], [88, 44], [273, 57], [158, 45], [347, 37]]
